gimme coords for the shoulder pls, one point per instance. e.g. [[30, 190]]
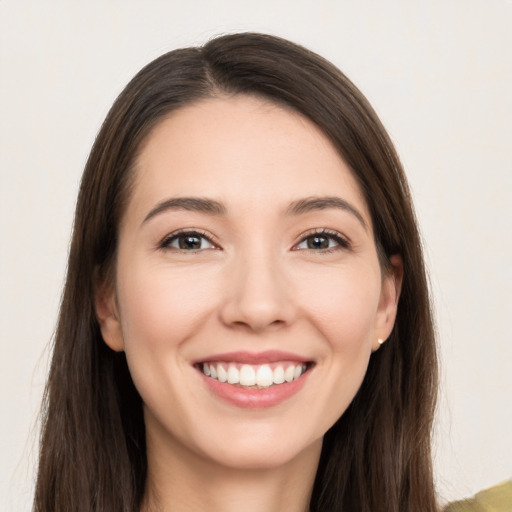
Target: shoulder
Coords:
[[495, 499]]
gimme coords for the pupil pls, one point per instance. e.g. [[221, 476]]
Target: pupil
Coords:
[[190, 242], [318, 242]]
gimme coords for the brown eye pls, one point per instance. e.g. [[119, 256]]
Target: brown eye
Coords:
[[188, 241], [317, 242], [323, 241]]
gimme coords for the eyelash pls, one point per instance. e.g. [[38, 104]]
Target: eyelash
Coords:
[[341, 241], [168, 240]]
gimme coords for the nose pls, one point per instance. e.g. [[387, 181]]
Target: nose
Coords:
[[257, 296]]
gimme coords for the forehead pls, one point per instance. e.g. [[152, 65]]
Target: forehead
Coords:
[[243, 151]]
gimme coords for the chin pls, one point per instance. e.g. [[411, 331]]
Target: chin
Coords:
[[257, 452]]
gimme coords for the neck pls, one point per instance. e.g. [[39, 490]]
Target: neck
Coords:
[[179, 481]]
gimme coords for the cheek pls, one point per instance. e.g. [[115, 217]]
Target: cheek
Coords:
[[342, 304], [162, 307], [160, 311], [342, 307]]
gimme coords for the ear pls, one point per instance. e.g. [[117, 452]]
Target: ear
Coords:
[[106, 308], [388, 304]]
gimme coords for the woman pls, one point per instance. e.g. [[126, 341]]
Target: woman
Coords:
[[246, 319]]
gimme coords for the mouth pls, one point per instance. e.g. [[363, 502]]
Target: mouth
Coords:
[[254, 376], [255, 380]]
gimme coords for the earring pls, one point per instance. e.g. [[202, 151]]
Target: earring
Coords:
[[380, 341]]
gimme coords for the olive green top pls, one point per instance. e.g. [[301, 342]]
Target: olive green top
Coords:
[[495, 499]]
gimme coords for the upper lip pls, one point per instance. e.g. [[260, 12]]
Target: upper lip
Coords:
[[268, 356]]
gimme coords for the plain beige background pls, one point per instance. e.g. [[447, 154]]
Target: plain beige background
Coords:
[[440, 75]]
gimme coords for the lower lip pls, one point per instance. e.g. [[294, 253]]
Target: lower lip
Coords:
[[252, 398]]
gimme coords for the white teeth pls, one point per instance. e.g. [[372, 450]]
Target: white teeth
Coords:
[[247, 375], [222, 374], [264, 376], [253, 375], [289, 373], [233, 375], [278, 375]]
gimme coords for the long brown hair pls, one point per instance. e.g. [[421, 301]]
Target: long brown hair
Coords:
[[377, 455]]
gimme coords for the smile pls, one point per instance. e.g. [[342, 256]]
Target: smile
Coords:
[[254, 376], [255, 381]]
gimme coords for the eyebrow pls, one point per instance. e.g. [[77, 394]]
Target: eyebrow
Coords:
[[192, 204], [212, 207], [310, 204]]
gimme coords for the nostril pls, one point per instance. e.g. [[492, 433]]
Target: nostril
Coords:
[[258, 325]]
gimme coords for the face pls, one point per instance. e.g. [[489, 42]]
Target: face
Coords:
[[248, 294]]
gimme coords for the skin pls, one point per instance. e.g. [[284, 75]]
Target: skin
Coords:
[[253, 284]]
